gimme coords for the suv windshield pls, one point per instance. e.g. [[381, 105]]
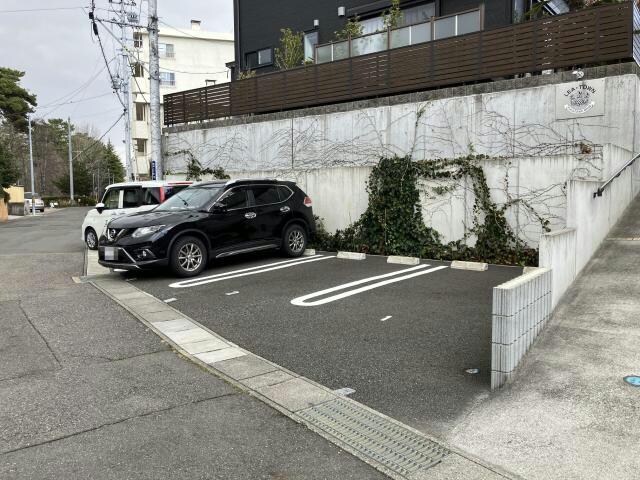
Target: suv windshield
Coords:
[[192, 198]]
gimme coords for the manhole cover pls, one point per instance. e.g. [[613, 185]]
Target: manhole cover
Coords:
[[376, 437], [633, 380]]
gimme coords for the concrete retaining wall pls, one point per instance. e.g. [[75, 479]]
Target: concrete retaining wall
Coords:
[[340, 197], [521, 309], [557, 251], [507, 123], [589, 221], [522, 306]]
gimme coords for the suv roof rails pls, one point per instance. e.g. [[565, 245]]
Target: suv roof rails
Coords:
[[264, 179]]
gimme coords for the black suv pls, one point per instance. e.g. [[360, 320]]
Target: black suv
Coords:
[[211, 220]]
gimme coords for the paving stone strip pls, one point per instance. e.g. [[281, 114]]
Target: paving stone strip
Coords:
[[390, 446]]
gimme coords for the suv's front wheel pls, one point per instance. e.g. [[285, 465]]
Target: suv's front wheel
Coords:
[[188, 257], [294, 241]]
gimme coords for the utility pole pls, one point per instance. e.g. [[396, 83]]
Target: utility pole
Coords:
[[33, 184], [126, 90], [122, 83], [154, 90], [70, 161]]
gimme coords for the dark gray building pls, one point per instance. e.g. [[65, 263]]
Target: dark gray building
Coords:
[[258, 22]]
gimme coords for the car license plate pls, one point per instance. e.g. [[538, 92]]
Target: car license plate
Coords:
[[110, 253]]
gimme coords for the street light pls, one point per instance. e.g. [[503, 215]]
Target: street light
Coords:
[[33, 187]]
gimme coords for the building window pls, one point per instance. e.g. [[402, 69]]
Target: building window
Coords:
[[251, 60], [419, 14], [137, 40], [167, 79], [141, 146], [264, 56], [140, 112], [165, 50], [138, 71], [259, 58], [372, 25], [310, 42]]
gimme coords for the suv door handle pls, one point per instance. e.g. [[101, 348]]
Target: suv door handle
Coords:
[[285, 209], [250, 215]]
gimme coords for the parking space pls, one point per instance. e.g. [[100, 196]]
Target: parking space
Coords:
[[401, 336]]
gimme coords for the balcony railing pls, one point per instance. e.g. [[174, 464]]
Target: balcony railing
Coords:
[[435, 29], [592, 36]]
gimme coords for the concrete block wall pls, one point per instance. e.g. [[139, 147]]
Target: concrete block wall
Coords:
[[521, 309]]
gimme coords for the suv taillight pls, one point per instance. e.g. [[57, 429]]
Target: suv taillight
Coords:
[[307, 202]]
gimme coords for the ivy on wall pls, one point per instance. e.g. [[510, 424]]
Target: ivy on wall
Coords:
[[195, 170], [393, 224]]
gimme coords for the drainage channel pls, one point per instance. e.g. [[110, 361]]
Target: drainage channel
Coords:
[[372, 435]]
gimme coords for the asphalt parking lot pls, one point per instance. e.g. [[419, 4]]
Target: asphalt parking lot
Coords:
[[401, 336]]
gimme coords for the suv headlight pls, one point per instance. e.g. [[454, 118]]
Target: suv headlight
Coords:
[[144, 231]]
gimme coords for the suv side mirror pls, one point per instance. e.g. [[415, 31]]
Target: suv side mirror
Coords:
[[218, 207], [99, 207]]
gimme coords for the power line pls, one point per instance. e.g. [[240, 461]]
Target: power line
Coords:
[[40, 9], [70, 102], [104, 56], [135, 79], [98, 114], [74, 91], [101, 137]]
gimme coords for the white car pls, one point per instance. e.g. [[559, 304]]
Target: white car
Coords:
[[28, 198], [122, 199]]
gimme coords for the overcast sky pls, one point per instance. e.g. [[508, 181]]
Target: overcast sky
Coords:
[[59, 55]]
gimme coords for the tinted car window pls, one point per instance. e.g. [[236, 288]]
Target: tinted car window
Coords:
[[151, 196], [265, 195], [171, 190], [236, 198], [192, 198], [111, 198], [285, 193], [130, 198]]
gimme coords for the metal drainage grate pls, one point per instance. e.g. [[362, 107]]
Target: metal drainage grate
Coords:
[[374, 436]]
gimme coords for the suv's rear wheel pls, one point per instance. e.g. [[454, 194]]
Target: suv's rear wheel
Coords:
[[188, 257], [91, 239], [294, 241]]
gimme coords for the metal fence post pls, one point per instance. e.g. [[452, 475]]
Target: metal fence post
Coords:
[[184, 108], [206, 104]]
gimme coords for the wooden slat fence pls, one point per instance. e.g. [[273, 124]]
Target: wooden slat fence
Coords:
[[587, 37]]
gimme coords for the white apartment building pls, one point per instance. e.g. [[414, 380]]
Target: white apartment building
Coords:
[[189, 58]]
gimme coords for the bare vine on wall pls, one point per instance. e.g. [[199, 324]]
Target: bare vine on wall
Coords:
[[471, 149]]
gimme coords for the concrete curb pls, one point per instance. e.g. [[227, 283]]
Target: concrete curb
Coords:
[[351, 255], [475, 266], [403, 260]]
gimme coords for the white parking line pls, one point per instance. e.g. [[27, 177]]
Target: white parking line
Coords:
[[417, 271], [247, 271]]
